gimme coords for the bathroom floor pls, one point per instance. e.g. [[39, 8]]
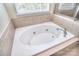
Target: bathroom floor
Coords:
[[72, 50]]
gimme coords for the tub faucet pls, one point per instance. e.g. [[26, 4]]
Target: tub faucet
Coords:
[[64, 31]]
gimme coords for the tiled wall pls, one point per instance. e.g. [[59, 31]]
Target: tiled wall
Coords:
[[30, 20], [6, 40]]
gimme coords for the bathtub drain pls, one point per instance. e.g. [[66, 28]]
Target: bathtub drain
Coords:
[[34, 32], [46, 29]]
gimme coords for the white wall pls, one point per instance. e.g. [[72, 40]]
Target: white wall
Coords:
[[4, 19]]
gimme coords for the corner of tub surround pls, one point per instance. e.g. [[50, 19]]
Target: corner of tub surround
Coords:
[[7, 40], [66, 22]]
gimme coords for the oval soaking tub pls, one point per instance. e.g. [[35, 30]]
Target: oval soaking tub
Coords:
[[34, 39]]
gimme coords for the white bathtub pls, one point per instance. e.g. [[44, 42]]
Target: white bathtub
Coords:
[[34, 39]]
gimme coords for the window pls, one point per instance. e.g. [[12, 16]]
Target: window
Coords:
[[27, 8], [77, 11], [66, 9], [77, 14]]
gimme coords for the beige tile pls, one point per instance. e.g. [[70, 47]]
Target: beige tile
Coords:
[[71, 50], [7, 40], [30, 20]]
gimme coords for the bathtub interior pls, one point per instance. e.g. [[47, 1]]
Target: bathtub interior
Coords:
[[40, 35], [34, 39]]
